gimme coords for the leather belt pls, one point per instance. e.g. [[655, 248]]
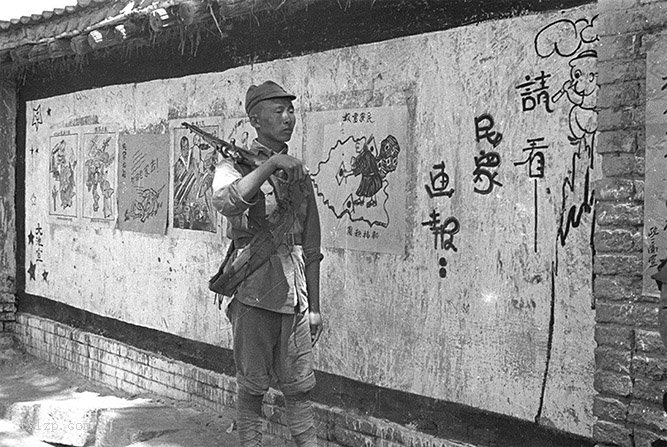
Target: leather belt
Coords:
[[290, 240], [293, 239]]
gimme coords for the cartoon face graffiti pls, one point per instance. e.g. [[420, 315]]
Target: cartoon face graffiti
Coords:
[[583, 74], [581, 90]]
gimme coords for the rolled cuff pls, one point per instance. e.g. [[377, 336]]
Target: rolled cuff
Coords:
[[229, 202], [311, 255]]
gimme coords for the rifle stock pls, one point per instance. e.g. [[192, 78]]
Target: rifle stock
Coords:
[[226, 149]]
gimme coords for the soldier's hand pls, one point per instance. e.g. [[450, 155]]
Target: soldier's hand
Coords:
[[293, 167], [316, 325]]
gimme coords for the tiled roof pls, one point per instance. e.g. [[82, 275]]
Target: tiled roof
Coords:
[[88, 25], [47, 15], [95, 24]]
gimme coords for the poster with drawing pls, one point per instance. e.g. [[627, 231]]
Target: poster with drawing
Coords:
[[357, 161], [143, 186], [63, 178], [655, 202], [193, 168], [99, 164], [238, 131]]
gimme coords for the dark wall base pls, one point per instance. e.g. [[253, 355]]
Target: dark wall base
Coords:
[[440, 418]]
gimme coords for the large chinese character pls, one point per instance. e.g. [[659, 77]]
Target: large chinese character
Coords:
[[533, 95], [482, 173], [446, 229], [535, 159], [483, 125], [439, 182]]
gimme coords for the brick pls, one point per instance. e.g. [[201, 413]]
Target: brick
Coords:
[[649, 390], [622, 118], [617, 287], [648, 341], [619, 337], [652, 367], [610, 72], [206, 376], [614, 360], [618, 264], [615, 189], [631, 314], [630, 93], [622, 140], [162, 363], [647, 415], [137, 355], [612, 383], [105, 344], [164, 377], [632, 20], [639, 190], [618, 241], [619, 214], [610, 409], [609, 432], [615, 47], [6, 298], [646, 438], [351, 438], [8, 308], [622, 165], [9, 316]]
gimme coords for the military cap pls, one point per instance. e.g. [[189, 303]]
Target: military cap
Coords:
[[266, 90]]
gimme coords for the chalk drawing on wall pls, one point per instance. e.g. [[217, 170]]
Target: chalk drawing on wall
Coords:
[[535, 163], [359, 176], [193, 170], [655, 187], [36, 253], [63, 178], [443, 230], [143, 186], [37, 116], [99, 175], [484, 174], [574, 41]]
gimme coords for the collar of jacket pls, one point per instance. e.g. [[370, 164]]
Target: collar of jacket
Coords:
[[258, 148]]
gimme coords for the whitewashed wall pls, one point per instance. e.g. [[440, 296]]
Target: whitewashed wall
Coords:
[[480, 334]]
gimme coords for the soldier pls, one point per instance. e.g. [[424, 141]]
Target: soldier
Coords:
[[275, 310]]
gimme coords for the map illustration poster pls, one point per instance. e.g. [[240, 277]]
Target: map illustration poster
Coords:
[[357, 159]]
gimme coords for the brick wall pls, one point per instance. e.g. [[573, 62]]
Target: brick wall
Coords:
[[7, 205], [117, 365], [631, 362]]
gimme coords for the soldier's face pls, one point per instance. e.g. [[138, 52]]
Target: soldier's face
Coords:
[[274, 120]]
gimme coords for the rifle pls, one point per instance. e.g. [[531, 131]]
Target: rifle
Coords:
[[227, 150], [263, 244]]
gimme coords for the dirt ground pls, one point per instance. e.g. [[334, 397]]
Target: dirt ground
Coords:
[[25, 378]]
